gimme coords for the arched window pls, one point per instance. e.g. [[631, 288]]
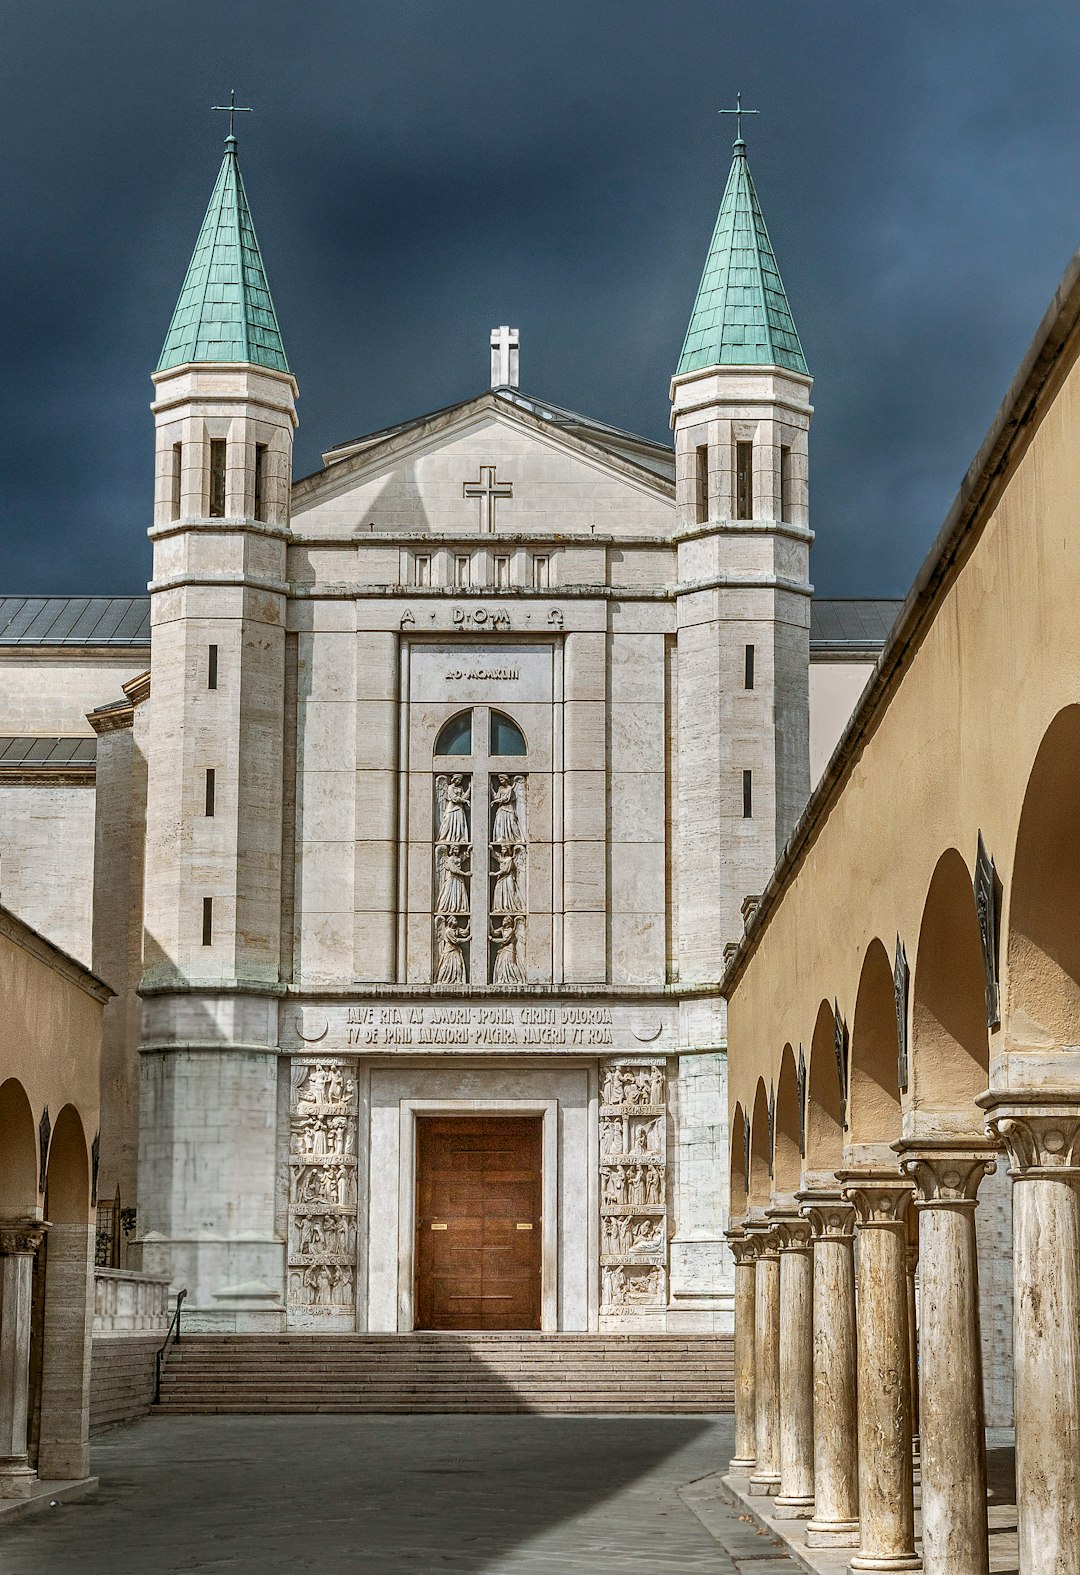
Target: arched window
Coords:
[[455, 736], [506, 737]]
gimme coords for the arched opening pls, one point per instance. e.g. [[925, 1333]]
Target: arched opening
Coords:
[[506, 737], [1044, 913], [455, 736], [760, 1158], [787, 1153], [737, 1155], [874, 1115], [61, 1373], [950, 1054], [18, 1153], [824, 1123]]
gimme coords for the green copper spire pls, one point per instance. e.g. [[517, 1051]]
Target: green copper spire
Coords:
[[741, 315], [225, 312]]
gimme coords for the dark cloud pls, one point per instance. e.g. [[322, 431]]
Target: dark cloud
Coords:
[[423, 170]]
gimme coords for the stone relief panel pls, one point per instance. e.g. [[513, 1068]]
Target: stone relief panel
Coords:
[[453, 878], [507, 878], [633, 1186], [322, 1193]]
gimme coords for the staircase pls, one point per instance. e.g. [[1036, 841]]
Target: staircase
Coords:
[[464, 1373]]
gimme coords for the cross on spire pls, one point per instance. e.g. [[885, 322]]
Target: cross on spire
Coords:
[[738, 112], [232, 109]]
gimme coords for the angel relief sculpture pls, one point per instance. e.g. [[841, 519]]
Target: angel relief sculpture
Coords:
[[507, 941], [453, 799], [507, 795], [506, 869], [451, 949], [452, 868]]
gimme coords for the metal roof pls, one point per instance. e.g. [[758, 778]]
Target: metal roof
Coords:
[[75, 620], [741, 316], [225, 312], [47, 751], [856, 623]]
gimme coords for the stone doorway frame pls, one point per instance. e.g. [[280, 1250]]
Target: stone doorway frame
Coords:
[[548, 1109]]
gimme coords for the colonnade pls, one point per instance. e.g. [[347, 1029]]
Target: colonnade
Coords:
[[825, 1401]]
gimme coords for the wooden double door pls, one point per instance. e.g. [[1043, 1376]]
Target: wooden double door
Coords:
[[478, 1222]]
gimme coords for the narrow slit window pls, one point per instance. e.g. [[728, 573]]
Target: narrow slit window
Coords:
[[744, 481], [211, 667], [502, 573], [747, 794], [540, 572], [211, 789], [461, 571], [748, 667], [701, 483], [422, 569], [217, 478], [208, 921], [785, 485], [261, 458], [174, 480]]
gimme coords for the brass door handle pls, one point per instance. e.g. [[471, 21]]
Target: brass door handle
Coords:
[[526, 1226]]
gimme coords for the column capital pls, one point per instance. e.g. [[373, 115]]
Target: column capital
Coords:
[[945, 1174], [762, 1233], [880, 1197], [1041, 1136], [831, 1216], [21, 1238], [743, 1247], [792, 1230]]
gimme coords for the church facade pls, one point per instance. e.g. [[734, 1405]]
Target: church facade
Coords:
[[412, 818]]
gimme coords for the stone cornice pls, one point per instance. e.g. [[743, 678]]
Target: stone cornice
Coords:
[[78, 773], [238, 526], [20, 934]]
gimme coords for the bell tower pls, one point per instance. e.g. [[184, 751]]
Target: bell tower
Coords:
[[740, 410], [224, 413]]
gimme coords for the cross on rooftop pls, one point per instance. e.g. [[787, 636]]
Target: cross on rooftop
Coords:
[[488, 491], [232, 109], [738, 112], [505, 343]]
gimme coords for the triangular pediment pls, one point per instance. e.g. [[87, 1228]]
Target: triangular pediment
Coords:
[[490, 464]]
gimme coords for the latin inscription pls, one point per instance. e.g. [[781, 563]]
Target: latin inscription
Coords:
[[484, 674], [398, 1026]]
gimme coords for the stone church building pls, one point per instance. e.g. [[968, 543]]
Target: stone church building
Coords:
[[411, 813]]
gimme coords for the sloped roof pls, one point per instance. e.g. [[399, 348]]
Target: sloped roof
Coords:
[[855, 623], [39, 751], [741, 316], [225, 312], [75, 620], [659, 458]]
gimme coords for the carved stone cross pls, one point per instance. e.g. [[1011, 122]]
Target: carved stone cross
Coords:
[[488, 491]]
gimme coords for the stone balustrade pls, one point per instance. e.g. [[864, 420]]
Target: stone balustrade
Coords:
[[127, 1302]]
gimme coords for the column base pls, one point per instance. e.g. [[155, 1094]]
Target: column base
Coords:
[[794, 1506], [832, 1534], [898, 1561], [740, 1467], [17, 1478], [765, 1486]]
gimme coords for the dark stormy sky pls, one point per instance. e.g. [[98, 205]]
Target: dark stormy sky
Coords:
[[423, 169]]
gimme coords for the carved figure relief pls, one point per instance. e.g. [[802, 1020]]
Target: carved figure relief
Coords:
[[633, 1185], [508, 944], [451, 949], [453, 878], [322, 1190]]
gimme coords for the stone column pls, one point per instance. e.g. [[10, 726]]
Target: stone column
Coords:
[[835, 1523], [1043, 1141], [744, 1252], [795, 1500], [64, 1439], [886, 1502], [766, 1475], [19, 1241], [953, 1440], [913, 1345]]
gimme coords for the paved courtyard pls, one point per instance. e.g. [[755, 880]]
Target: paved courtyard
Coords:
[[500, 1495]]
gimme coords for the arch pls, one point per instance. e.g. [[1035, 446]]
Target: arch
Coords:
[[1044, 915], [824, 1122], [787, 1151], [455, 736], [760, 1158], [18, 1152], [67, 1177], [505, 736], [950, 1051], [874, 1112], [737, 1155]]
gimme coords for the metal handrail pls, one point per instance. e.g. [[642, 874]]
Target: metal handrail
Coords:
[[173, 1337]]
